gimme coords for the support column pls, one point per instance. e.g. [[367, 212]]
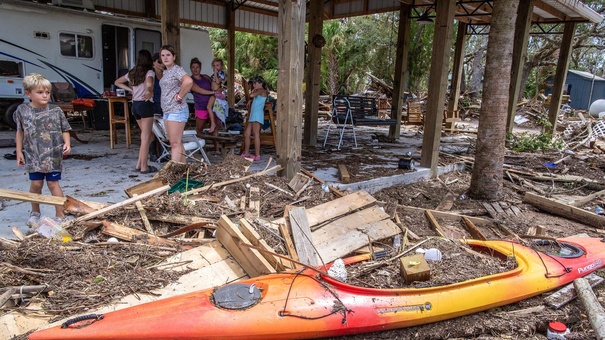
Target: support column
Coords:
[[315, 42], [561, 75], [291, 42], [230, 54], [452, 104], [440, 61], [401, 68], [522, 27], [171, 26]]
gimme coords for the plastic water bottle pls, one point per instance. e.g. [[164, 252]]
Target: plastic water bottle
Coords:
[[49, 228], [397, 242], [556, 331], [599, 211]]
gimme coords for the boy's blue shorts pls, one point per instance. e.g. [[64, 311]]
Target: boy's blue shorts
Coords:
[[40, 176]]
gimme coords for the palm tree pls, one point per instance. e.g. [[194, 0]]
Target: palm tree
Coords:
[[486, 180]]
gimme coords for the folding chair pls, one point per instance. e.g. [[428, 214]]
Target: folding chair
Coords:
[[342, 118], [191, 143]]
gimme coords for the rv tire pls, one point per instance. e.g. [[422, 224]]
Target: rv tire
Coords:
[[8, 116]]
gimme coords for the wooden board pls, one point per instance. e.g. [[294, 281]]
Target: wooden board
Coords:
[[566, 294], [29, 197], [302, 236], [342, 236], [255, 239], [146, 186], [297, 182], [254, 201], [345, 178], [444, 215], [128, 234], [564, 210], [253, 263]]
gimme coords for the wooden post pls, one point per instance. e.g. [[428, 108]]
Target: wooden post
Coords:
[[316, 11], [230, 53], [452, 104], [171, 29], [522, 26], [291, 44], [401, 69], [560, 75], [440, 62]]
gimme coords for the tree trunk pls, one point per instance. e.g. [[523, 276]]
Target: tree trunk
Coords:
[[486, 180]]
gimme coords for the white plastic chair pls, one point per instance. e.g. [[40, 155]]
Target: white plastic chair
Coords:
[[191, 143]]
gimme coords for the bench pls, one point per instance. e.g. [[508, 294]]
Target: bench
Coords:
[[363, 111]]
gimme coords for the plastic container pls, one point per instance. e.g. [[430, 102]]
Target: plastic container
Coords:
[[556, 331], [190, 185], [432, 254], [50, 228]]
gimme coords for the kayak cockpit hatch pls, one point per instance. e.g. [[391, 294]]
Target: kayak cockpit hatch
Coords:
[[559, 249], [236, 296]]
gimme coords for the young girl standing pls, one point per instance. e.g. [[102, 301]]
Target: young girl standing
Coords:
[[259, 96], [140, 79], [175, 84]]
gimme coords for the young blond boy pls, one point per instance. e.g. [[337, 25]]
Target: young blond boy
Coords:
[[42, 141]]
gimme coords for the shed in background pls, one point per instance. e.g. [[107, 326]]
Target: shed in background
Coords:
[[583, 88]]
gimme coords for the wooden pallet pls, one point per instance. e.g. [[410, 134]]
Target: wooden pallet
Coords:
[[501, 208]]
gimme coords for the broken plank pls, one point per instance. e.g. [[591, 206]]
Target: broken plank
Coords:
[[231, 181], [297, 182], [190, 227], [497, 207], [30, 197], [177, 218], [141, 210], [129, 201], [254, 201], [473, 230], [246, 228], [285, 233], [447, 202], [346, 234], [146, 186], [565, 210], [332, 189], [345, 178], [335, 208], [132, 235], [567, 294], [435, 224], [444, 215], [301, 234], [253, 263], [490, 210]]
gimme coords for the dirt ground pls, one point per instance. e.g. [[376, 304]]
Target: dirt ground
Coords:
[[95, 272]]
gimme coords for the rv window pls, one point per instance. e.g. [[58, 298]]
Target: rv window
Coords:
[[75, 45], [10, 69], [68, 44]]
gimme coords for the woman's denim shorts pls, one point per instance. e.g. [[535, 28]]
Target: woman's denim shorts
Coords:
[[181, 116]]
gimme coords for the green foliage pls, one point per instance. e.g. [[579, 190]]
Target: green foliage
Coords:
[[255, 54], [533, 142]]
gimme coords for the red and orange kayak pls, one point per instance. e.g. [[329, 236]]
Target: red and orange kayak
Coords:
[[305, 304]]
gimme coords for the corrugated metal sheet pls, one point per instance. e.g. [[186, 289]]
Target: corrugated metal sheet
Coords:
[[208, 14], [256, 22]]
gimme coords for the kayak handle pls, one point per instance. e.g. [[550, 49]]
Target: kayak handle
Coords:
[[82, 318]]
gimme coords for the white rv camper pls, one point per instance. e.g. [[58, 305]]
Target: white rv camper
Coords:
[[85, 48]]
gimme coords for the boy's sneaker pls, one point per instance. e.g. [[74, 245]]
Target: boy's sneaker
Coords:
[[34, 220]]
